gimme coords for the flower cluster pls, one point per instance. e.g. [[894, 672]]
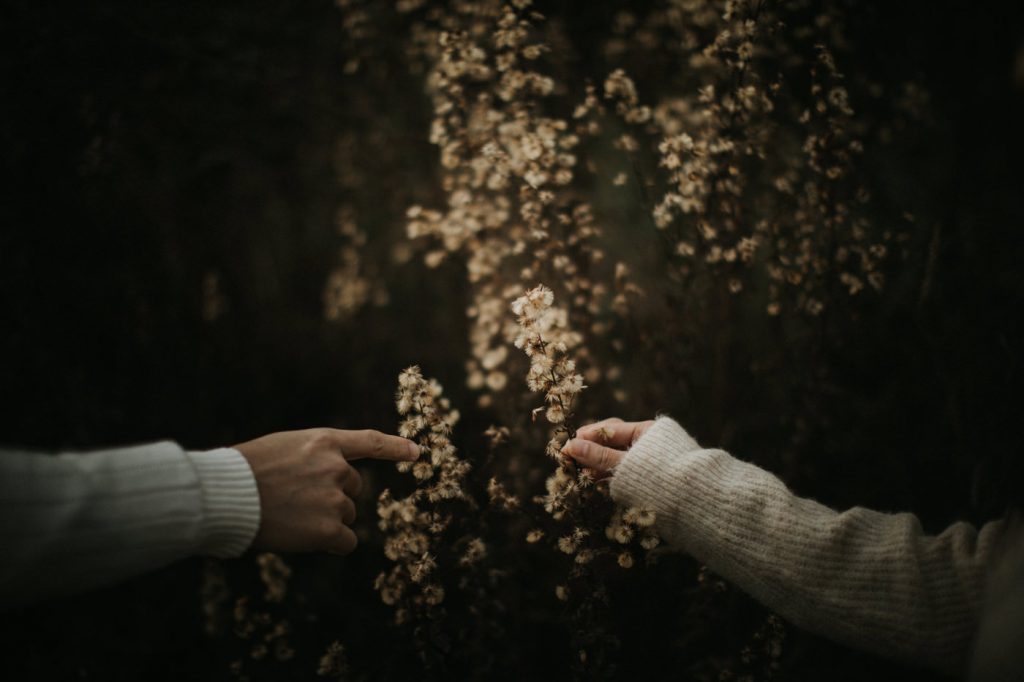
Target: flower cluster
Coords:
[[275, 574], [553, 373], [414, 525], [758, 172], [438, 535], [334, 662], [723, 130], [429, 419], [545, 340], [349, 287], [632, 525], [261, 629], [264, 635], [508, 172]]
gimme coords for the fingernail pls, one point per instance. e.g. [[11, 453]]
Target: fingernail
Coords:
[[567, 448], [414, 450]]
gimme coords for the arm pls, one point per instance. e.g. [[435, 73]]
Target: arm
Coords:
[[869, 580], [72, 522]]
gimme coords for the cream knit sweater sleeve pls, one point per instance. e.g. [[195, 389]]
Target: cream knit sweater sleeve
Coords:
[[869, 580], [71, 522]]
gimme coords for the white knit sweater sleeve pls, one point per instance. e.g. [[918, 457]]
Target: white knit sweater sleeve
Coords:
[[71, 522], [866, 579]]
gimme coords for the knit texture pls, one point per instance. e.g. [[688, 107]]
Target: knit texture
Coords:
[[866, 579], [72, 522]]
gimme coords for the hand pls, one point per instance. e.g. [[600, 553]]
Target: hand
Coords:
[[601, 446], [306, 485]]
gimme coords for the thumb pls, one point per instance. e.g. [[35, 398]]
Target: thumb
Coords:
[[592, 455]]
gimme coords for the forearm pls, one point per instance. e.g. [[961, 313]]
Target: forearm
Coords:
[[72, 522], [870, 580]]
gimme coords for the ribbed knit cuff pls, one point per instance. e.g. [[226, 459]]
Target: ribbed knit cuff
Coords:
[[642, 479], [231, 502]]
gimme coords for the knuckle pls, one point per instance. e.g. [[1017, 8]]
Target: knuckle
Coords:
[[320, 439], [348, 510], [356, 481], [375, 440], [336, 498], [330, 528]]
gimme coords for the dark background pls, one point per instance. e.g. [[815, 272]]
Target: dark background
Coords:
[[146, 145]]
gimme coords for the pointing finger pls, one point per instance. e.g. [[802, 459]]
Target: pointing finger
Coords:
[[376, 445]]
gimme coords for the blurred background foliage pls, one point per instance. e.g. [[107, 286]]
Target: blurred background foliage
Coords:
[[173, 174]]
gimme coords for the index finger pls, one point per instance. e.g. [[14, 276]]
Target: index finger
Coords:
[[376, 445], [612, 432]]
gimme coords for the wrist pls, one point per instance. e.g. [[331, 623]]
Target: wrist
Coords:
[[648, 460], [230, 502]]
